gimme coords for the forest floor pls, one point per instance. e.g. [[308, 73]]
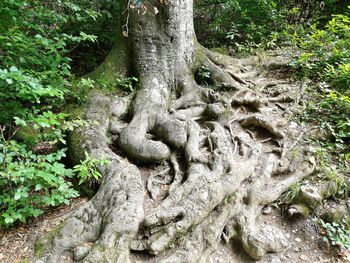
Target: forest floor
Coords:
[[17, 245], [306, 244]]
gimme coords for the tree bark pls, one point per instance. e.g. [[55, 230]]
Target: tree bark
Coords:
[[223, 172]]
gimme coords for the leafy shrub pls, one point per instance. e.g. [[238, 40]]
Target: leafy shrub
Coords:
[[37, 40], [236, 21], [245, 25], [337, 107], [29, 182], [331, 113], [34, 48], [326, 53], [338, 75], [325, 58], [114, 83], [32, 175]]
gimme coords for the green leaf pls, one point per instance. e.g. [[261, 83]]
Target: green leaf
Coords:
[[13, 69], [20, 122], [9, 81], [17, 196], [9, 220], [37, 212]]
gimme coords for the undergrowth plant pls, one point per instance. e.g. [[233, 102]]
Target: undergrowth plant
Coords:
[[32, 175], [325, 58], [239, 23], [29, 182], [203, 75], [326, 53], [87, 170], [292, 193], [336, 233], [249, 25], [117, 82], [37, 41]]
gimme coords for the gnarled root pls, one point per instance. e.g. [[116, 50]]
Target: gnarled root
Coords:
[[235, 213], [102, 229], [203, 190], [228, 195]]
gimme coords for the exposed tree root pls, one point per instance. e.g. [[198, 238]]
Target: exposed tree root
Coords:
[[228, 172], [113, 215], [263, 122]]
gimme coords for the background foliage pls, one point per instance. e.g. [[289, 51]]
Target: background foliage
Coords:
[[38, 43]]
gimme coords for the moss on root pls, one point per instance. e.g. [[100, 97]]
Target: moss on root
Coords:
[[75, 142], [44, 243], [117, 61], [74, 111], [199, 56]]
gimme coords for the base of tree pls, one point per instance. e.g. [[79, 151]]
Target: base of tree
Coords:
[[231, 152]]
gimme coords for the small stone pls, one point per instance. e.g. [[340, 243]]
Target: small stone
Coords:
[[2, 256], [267, 210], [293, 125], [298, 240], [333, 167], [303, 257], [80, 252]]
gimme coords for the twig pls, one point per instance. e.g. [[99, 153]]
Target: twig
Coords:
[[125, 27]]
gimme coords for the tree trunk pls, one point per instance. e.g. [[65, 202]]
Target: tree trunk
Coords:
[[222, 170]]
